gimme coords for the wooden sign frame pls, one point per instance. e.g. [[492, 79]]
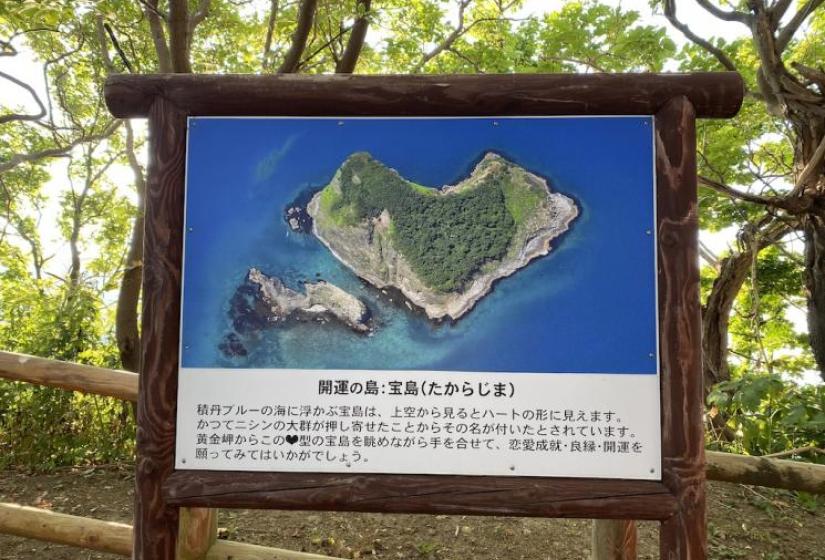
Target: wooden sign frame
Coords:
[[676, 100]]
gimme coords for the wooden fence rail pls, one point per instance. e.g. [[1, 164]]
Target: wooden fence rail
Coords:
[[116, 538], [116, 383], [613, 540]]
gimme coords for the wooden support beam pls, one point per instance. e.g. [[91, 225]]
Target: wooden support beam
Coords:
[[197, 532], [684, 535], [470, 495], [713, 94], [116, 538], [66, 375], [613, 539], [156, 522]]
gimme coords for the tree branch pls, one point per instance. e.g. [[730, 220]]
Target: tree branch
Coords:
[[448, 41], [154, 17], [200, 15], [327, 44], [812, 169], [732, 15], [270, 28], [670, 14], [19, 116], [708, 256], [100, 34], [152, 6], [7, 49], [786, 33], [306, 15], [779, 8], [119, 50], [476, 68], [58, 151], [46, 79], [737, 194], [813, 75], [346, 65]]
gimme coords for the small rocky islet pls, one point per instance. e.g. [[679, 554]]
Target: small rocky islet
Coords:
[[263, 302], [442, 248]]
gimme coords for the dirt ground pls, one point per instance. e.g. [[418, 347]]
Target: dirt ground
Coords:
[[744, 522]]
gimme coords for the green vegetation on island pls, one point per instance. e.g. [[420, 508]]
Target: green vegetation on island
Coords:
[[446, 237], [442, 248]]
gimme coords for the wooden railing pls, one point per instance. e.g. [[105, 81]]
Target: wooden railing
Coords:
[[612, 540], [198, 526]]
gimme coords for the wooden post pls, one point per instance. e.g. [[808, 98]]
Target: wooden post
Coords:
[[197, 532], [156, 523], [613, 539], [683, 535]]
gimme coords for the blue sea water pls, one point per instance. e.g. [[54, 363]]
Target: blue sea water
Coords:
[[587, 307]]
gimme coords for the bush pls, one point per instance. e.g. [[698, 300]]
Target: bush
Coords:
[[43, 428], [768, 414]]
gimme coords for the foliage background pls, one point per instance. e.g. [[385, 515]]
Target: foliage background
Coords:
[[72, 178]]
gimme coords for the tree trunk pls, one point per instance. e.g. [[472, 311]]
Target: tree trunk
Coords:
[[733, 271], [126, 318], [292, 58], [179, 36], [74, 248], [810, 138], [158, 36], [126, 321], [356, 40], [815, 286]]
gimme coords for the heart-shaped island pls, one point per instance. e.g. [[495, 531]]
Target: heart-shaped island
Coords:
[[443, 248]]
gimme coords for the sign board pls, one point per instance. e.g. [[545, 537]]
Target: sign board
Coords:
[[471, 296], [329, 294]]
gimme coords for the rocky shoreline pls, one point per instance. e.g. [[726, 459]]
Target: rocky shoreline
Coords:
[[262, 302], [368, 251]]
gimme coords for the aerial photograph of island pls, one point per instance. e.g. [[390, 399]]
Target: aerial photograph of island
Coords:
[[433, 244]]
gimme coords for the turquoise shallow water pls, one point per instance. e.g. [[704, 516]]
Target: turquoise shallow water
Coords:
[[589, 306]]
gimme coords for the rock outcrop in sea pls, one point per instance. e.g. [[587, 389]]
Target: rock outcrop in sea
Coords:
[[319, 299], [297, 219], [262, 302], [370, 242]]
